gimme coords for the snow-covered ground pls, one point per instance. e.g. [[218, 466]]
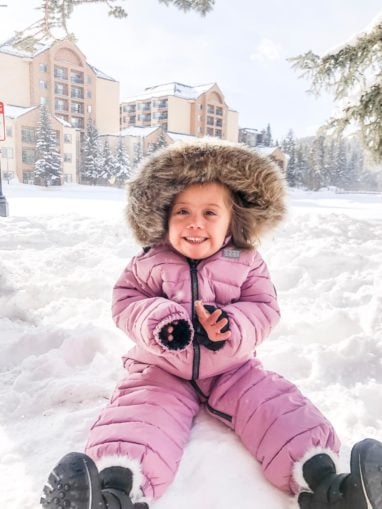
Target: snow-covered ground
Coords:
[[61, 251]]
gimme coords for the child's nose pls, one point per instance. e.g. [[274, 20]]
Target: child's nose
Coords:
[[195, 221]]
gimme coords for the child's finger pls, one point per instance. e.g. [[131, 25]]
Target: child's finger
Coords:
[[213, 318], [201, 311]]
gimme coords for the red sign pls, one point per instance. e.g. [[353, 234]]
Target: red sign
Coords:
[[2, 122]]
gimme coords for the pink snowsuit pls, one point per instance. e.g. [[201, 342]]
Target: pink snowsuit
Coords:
[[151, 412]]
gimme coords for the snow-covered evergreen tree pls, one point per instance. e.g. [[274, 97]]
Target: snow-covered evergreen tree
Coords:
[[48, 165], [138, 153], [108, 163], [352, 73], [267, 141], [122, 164], [316, 163], [91, 167], [289, 147]]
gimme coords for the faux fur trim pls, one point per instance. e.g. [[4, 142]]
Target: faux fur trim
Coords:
[[168, 171], [136, 493], [167, 321], [297, 474]]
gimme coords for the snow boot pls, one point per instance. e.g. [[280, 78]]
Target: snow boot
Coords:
[[361, 489], [75, 483]]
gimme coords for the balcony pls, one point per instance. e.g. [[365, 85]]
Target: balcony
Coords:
[[63, 76]]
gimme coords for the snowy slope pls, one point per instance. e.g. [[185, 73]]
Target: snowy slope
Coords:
[[61, 250]]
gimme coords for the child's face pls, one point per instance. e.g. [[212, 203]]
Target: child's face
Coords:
[[199, 220]]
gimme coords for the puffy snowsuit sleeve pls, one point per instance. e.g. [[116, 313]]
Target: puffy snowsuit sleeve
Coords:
[[254, 315], [140, 311]]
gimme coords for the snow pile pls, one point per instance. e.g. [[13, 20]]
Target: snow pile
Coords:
[[61, 251]]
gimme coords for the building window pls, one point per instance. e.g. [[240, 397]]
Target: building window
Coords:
[[67, 138], [210, 120], [60, 73], [9, 131], [219, 122], [89, 108], [132, 119], [77, 122], [43, 67], [60, 89], [28, 155], [219, 111], [218, 133], [89, 94], [43, 84], [28, 134], [210, 131], [77, 77], [67, 158], [77, 107], [60, 105], [28, 177], [77, 92], [6, 152], [210, 108], [88, 80], [200, 106]]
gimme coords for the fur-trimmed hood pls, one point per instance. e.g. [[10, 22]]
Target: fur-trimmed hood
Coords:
[[165, 174]]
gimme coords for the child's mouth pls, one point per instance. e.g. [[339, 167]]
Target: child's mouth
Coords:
[[195, 240]]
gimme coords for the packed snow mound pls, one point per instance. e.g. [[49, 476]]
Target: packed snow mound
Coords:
[[61, 250]]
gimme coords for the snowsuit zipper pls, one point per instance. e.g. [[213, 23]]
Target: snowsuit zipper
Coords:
[[196, 360], [194, 297]]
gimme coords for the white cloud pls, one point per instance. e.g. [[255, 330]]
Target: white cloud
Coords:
[[266, 50]]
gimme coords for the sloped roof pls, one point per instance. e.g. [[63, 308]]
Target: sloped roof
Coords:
[[174, 88], [9, 47], [181, 136], [14, 111]]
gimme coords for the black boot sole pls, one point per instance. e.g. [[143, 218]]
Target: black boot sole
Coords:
[[366, 471], [73, 484]]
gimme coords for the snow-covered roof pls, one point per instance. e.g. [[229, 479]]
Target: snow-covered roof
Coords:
[[101, 74], [9, 47], [137, 131], [64, 122], [174, 89], [12, 111], [181, 136]]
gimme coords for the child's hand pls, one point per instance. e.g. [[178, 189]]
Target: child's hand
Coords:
[[211, 323]]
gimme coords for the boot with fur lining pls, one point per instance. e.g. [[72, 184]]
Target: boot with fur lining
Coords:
[[361, 489], [75, 483]]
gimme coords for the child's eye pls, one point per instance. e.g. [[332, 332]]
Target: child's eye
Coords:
[[210, 213], [181, 212]]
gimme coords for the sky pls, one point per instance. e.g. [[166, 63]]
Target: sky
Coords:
[[243, 46]]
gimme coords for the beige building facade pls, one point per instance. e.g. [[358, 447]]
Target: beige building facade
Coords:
[[56, 75], [196, 111], [18, 150]]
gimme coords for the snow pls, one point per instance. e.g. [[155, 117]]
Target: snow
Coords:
[[61, 250], [12, 111], [174, 88]]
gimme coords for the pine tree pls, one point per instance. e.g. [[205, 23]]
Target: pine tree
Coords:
[[289, 147], [48, 166], [108, 163], [122, 164], [317, 159], [268, 137], [343, 72], [138, 153], [91, 167]]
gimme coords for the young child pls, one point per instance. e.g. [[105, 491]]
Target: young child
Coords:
[[197, 301]]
